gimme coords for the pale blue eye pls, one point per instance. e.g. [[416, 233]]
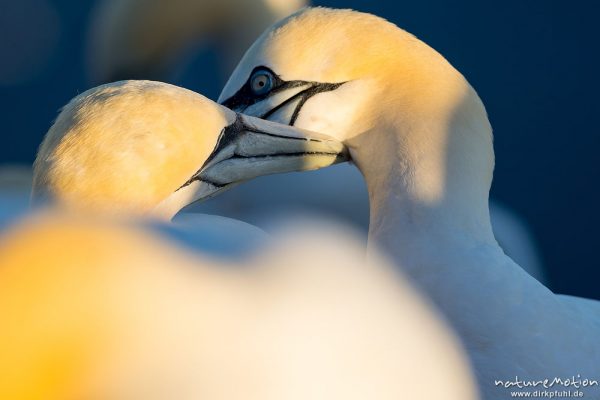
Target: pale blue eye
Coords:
[[261, 82]]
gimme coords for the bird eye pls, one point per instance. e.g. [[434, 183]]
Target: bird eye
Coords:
[[261, 82]]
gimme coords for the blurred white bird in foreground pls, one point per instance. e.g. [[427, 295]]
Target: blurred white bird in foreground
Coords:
[[420, 136], [96, 311], [149, 148], [145, 38]]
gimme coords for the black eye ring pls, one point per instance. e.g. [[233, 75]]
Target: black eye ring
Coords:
[[261, 82]]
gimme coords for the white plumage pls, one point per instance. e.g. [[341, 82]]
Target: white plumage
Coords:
[[421, 138], [109, 311]]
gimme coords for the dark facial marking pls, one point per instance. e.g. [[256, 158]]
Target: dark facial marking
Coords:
[[245, 96], [313, 89], [226, 137]]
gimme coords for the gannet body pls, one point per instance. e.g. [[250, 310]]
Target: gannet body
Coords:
[[421, 138], [102, 311], [149, 148], [133, 39]]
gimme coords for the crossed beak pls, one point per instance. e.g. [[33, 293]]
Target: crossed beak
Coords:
[[251, 147]]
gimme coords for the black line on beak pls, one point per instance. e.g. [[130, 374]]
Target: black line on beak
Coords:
[[298, 153], [249, 128], [196, 177], [232, 132], [226, 137]]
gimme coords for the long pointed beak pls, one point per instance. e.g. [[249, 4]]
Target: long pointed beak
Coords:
[[252, 147]]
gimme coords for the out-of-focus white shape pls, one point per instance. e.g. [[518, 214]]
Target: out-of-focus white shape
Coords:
[[29, 35], [145, 38], [100, 311], [330, 324], [419, 134], [93, 311]]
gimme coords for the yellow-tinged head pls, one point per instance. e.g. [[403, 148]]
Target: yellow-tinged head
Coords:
[[406, 114], [341, 61], [142, 147], [129, 144]]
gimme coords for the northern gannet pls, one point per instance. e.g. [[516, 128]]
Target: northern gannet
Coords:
[[420, 136], [144, 38], [143, 147], [92, 310], [133, 38]]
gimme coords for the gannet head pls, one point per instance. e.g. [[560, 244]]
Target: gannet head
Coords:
[[322, 68], [387, 95], [146, 147]]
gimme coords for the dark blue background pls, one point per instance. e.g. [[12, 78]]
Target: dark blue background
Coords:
[[534, 63]]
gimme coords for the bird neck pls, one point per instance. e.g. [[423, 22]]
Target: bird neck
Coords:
[[429, 173], [428, 181]]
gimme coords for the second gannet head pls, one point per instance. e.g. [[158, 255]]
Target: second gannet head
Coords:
[[142, 147], [405, 113]]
